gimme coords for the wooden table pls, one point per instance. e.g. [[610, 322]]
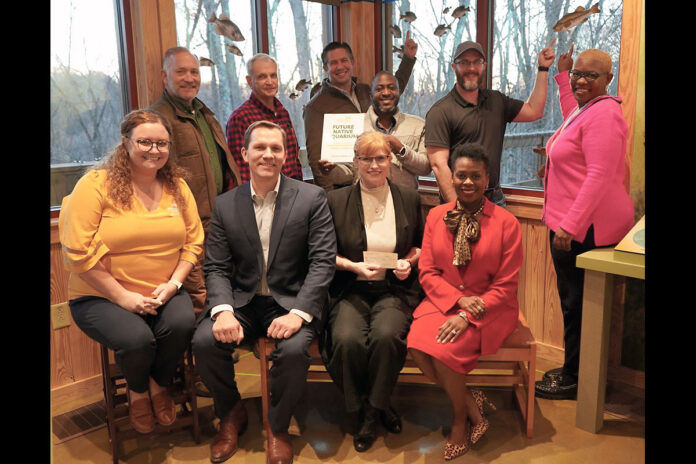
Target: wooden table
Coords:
[[601, 265]]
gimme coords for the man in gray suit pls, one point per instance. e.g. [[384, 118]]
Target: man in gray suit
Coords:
[[270, 257]]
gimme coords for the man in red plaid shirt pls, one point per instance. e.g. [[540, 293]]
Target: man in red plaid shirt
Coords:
[[262, 77]]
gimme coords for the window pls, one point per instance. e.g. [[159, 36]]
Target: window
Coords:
[[296, 31], [87, 96], [223, 84], [432, 76], [297, 44], [522, 29]]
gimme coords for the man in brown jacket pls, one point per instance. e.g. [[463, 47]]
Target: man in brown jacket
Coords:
[[340, 92], [199, 146]]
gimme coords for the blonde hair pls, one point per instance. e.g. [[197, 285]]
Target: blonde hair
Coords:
[[117, 164], [370, 142]]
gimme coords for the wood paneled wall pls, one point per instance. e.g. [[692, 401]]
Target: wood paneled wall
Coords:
[[75, 364]]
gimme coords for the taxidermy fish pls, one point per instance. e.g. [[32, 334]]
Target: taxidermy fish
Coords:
[[302, 85], [395, 30], [460, 11], [234, 49], [579, 16], [409, 16], [442, 29], [225, 27]]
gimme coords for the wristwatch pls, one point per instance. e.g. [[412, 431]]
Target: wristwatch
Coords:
[[401, 153]]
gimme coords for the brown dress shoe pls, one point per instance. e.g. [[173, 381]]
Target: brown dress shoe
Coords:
[[164, 408], [140, 415], [279, 450], [224, 445]]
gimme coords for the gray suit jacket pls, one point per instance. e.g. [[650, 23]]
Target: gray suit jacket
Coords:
[[301, 255]]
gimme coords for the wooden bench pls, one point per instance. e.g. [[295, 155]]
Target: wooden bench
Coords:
[[513, 365]]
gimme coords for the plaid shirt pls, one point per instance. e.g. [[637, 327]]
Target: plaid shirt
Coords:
[[251, 111]]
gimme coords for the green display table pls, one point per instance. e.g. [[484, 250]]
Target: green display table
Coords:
[[601, 265]]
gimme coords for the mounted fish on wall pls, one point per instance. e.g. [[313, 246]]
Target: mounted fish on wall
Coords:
[[579, 16], [226, 28]]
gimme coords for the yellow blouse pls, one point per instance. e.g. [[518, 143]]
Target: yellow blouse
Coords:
[[140, 248]]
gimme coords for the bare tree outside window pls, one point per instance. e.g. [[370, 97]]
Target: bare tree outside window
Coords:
[[295, 39], [522, 28], [86, 90], [432, 76], [223, 83]]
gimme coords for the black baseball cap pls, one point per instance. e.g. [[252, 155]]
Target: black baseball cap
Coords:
[[468, 45]]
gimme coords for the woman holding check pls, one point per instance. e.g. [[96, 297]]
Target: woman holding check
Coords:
[[364, 345]]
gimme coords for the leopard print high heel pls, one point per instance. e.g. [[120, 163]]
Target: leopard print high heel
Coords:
[[453, 451], [479, 429]]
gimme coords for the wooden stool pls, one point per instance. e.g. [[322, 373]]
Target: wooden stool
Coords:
[[514, 364], [116, 401]]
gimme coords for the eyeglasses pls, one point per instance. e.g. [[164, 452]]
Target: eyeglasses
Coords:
[[589, 76], [369, 159], [163, 146], [467, 63]]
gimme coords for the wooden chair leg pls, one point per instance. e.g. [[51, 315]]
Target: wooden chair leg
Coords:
[[530, 391], [109, 403], [265, 390]]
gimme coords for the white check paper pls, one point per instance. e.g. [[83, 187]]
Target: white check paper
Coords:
[[381, 259]]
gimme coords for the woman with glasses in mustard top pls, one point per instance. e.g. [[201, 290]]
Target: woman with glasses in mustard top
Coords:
[[364, 345], [130, 233]]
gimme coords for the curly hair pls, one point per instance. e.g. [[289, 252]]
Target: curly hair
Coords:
[[117, 164]]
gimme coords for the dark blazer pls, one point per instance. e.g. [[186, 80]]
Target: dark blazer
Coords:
[[349, 221], [301, 255]]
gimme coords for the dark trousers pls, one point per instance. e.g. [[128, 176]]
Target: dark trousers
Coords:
[[144, 345], [570, 280], [290, 359], [368, 344]]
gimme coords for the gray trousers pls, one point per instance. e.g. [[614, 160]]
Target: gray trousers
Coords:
[[368, 344], [291, 360], [144, 345]]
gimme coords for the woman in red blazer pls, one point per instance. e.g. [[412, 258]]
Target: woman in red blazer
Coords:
[[469, 266]]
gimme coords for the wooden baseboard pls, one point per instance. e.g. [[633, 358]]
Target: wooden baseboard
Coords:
[[75, 395], [550, 353], [615, 374]]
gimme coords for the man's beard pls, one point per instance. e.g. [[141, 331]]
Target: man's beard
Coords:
[[468, 85], [387, 113]]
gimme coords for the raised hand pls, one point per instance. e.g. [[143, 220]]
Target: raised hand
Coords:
[[547, 55], [410, 46], [565, 60]]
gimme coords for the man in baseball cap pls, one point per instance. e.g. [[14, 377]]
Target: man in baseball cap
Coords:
[[471, 113]]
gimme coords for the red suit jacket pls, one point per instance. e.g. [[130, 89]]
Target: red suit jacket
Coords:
[[492, 273]]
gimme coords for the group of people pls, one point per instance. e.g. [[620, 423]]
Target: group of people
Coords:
[[187, 233]]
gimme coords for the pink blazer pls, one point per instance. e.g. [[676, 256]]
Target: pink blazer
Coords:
[[585, 167]]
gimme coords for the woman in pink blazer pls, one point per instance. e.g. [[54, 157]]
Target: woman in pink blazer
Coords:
[[585, 202], [469, 267]]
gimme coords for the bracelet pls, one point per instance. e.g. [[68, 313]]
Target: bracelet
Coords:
[[463, 315], [176, 283], [543, 68]]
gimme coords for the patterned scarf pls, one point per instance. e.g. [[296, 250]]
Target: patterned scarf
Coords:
[[467, 230]]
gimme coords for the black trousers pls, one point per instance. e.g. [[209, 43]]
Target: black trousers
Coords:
[[368, 344], [144, 345], [570, 281], [291, 360]]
